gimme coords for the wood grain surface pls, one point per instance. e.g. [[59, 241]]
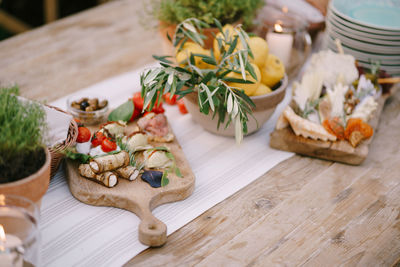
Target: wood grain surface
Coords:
[[137, 196], [304, 211]]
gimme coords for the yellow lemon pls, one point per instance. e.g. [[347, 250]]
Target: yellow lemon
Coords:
[[249, 88], [192, 48], [262, 90], [273, 71], [228, 28], [259, 48]]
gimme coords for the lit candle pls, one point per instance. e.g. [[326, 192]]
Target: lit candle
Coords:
[[7, 257], [280, 43]]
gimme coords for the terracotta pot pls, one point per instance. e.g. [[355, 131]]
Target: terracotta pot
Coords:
[[265, 106], [170, 30], [32, 187]]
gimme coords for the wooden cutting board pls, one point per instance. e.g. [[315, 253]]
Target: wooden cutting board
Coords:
[[137, 196], [340, 151]]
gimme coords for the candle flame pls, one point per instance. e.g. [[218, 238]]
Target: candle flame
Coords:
[[278, 27], [2, 200], [2, 238], [2, 234]]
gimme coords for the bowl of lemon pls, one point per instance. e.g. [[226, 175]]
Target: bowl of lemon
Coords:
[[231, 89]]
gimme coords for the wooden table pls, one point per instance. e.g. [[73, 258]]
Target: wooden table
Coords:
[[303, 211]]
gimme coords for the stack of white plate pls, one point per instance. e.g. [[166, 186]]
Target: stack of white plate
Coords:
[[368, 29]]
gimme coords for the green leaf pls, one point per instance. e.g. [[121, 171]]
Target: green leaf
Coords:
[[250, 69], [164, 178], [178, 172], [209, 96], [218, 24], [82, 158], [123, 112], [163, 59], [233, 45], [236, 80]]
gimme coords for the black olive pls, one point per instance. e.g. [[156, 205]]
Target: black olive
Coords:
[[153, 178], [84, 105]]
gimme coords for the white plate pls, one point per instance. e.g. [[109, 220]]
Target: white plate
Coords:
[[359, 54], [364, 46], [382, 14], [362, 28], [361, 35]]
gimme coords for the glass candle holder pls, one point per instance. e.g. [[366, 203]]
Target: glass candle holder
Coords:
[[287, 38], [19, 233]]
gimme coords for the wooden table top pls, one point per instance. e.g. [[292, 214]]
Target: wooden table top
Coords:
[[303, 211]]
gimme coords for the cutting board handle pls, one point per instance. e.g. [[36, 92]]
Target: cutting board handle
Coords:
[[152, 231]]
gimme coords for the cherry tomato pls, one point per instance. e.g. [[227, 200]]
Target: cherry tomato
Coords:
[[136, 112], [83, 135], [138, 101], [169, 100], [97, 139], [158, 109], [108, 145], [138, 105], [181, 106], [78, 122]]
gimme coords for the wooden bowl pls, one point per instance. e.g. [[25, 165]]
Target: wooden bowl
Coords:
[[265, 106]]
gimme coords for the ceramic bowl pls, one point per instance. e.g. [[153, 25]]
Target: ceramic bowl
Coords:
[[265, 106]]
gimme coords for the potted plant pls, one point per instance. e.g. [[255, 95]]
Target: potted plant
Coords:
[[170, 13], [219, 81], [24, 159]]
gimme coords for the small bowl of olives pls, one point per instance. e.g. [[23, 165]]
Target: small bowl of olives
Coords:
[[89, 110]]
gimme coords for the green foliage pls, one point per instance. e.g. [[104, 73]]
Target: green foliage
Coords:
[[72, 154], [22, 124], [226, 11], [228, 104], [123, 112]]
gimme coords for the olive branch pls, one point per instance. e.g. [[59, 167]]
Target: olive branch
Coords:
[[227, 103]]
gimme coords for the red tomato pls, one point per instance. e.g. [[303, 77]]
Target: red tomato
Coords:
[[169, 100], [181, 106], [158, 109], [78, 122], [138, 101], [83, 135], [98, 139], [136, 112], [108, 145], [138, 105]]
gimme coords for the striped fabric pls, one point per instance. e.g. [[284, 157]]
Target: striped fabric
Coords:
[[76, 234]]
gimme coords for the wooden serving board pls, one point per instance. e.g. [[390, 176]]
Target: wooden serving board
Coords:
[[137, 196], [340, 151]]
